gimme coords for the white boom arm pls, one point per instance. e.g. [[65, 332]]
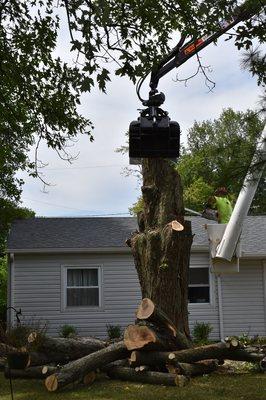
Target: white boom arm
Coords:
[[227, 246]]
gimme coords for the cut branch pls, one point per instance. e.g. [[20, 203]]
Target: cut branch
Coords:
[[155, 378], [75, 370]]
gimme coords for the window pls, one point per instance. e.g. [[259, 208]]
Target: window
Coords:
[[199, 285], [82, 287]]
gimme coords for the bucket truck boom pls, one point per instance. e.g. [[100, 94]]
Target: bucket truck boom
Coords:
[[227, 246]]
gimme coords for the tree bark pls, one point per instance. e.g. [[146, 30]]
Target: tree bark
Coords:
[[29, 373], [195, 369], [75, 370], [5, 349], [218, 351], [161, 253], [155, 378], [65, 348]]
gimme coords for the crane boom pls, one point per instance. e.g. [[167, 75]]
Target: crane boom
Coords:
[[181, 53]]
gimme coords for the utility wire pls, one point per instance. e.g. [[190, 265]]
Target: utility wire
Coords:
[[76, 209], [84, 167]]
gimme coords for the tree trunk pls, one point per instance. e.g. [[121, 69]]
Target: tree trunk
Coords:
[[161, 252], [155, 378], [76, 370], [147, 310]]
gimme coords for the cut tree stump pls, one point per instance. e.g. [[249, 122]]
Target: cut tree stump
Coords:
[[75, 370], [148, 337], [155, 378], [147, 310]]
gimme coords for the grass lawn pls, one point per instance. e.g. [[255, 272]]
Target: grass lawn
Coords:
[[215, 387]]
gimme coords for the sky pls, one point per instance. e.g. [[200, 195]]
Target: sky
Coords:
[[94, 185]]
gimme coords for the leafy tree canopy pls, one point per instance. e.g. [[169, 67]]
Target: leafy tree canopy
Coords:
[[9, 211], [40, 93], [218, 154]]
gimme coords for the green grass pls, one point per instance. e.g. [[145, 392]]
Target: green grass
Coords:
[[214, 387]]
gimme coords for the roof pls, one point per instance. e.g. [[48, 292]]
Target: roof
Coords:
[[96, 233]]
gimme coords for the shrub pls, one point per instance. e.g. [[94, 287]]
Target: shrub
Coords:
[[114, 331], [67, 331], [201, 332], [17, 336]]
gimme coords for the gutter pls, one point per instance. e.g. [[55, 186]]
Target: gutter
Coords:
[[102, 250]]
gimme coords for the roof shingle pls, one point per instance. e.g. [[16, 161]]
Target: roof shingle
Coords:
[[86, 233]]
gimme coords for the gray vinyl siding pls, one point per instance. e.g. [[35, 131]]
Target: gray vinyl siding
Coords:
[[37, 290], [244, 300], [201, 312]]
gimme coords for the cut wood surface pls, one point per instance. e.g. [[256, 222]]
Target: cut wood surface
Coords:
[[176, 226], [148, 310], [149, 337], [29, 373], [89, 378], [75, 370], [155, 378]]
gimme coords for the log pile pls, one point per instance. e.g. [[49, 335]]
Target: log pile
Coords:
[[152, 351]]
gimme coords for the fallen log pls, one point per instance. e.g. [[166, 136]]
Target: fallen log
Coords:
[[147, 310], [77, 369], [64, 349], [5, 349], [36, 359], [195, 369], [148, 337], [214, 351], [2, 364], [263, 364], [155, 378], [151, 358], [29, 373]]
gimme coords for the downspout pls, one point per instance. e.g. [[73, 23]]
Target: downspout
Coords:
[[226, 248], [220, 307]]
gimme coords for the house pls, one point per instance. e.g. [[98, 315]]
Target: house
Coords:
[[79, 271]]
